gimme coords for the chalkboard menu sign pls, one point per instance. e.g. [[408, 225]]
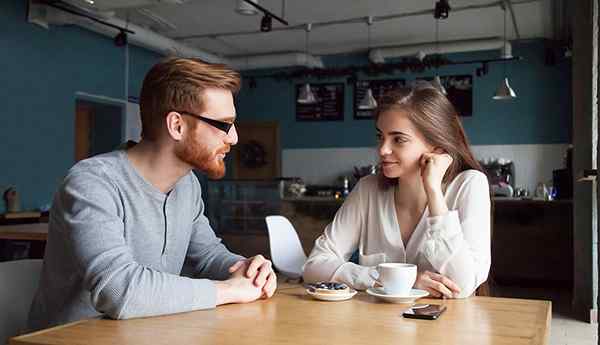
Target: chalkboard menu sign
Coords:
[[329, 105], [459, 89], [378, 87]]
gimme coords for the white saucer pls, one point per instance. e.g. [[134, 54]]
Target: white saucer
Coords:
[[415, 294], [331, 297]]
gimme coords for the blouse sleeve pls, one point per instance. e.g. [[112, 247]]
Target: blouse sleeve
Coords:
[[458, 243], [328, 260]]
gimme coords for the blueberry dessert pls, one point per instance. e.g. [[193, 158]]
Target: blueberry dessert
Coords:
[[329, 288]]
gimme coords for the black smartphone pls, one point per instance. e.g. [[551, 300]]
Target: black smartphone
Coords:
[[430, 312]]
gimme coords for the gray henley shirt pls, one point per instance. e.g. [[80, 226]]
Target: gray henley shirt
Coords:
[[116, 247]]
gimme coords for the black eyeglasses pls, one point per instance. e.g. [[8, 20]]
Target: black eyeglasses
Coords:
[[224, 126]]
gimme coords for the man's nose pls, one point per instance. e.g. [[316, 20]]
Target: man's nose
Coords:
[[232, 137]]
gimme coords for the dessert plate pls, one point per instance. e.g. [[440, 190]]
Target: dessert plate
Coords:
[[331, 297]]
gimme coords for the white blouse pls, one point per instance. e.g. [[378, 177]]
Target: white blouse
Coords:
[[456, 244]]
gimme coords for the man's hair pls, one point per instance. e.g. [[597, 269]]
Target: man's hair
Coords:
[[178, 84]]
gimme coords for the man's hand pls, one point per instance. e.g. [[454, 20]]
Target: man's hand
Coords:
[[237, 289], [258, 269], [437, 285]]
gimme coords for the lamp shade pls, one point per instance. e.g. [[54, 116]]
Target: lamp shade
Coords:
[[368, 102], [437, 83], [306, 96], [505, 92]]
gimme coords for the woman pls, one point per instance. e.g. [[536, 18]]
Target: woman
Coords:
[[429, 205]]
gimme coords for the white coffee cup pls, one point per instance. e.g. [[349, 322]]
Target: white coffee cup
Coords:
[[396, 278]]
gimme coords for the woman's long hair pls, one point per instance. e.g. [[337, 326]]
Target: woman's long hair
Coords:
[[436, 119]]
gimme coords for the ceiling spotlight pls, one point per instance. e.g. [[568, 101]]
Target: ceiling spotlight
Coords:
[[266, 24], [245, 9], [442, 8], [121, 39]]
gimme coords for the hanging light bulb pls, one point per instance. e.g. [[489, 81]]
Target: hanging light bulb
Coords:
[[306, 96], [368, 102], [504, 91], [437, 81]]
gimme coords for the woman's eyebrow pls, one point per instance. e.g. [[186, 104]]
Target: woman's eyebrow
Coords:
[[399, 133]]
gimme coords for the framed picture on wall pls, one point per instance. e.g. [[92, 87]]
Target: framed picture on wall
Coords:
[[258, 152], [328, 107], [460, 92], [378, 87]]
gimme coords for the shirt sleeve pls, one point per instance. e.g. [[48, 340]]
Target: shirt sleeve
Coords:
[[458, 243], [206, 253], [90, 216], [328, 260]]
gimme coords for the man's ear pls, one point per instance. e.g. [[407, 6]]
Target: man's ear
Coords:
[[175, 125]]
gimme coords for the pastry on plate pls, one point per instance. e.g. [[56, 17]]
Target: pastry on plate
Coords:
[[329, 288]]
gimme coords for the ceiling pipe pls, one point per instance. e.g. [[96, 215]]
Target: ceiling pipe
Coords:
[[379, 55], [275, 60], [155, 42], [142, 37]]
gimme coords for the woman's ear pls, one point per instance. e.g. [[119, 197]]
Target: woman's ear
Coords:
[[175, 125], [438, 150]]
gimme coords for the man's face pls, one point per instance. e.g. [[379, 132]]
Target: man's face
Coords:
[[204, 147]]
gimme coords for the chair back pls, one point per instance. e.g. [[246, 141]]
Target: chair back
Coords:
[[286, 250], [18, 283]]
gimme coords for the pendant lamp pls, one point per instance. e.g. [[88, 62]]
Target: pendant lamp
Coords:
[[437, 81], [306, 96], [504, 91], [368, 102]]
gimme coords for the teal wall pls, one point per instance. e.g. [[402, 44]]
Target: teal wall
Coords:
[[43, 69], [540, 115], [41, 72]]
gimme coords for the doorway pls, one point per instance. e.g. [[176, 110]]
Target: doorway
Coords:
[[98, 127]]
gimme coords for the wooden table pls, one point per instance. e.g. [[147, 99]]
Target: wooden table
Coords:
[[292, 317], [26, 232]]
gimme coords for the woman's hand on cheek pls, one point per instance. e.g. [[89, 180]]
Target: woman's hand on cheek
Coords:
[[433, 168]]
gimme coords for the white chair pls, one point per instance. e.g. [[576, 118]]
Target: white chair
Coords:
[[286, 250], [18, 283]]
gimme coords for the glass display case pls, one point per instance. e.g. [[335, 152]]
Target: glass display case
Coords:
[[239, 207]]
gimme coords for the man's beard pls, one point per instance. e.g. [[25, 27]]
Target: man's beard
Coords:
[[200, 157]]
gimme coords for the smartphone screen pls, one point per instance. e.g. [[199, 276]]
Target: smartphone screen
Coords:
[[430, 312]]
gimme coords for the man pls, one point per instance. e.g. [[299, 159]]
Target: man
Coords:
[[123, 223]]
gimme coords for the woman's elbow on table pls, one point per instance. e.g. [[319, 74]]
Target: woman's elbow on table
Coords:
[[309, 273], [313, 271]]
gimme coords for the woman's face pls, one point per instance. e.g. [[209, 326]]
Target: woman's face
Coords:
[[400, 145]]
